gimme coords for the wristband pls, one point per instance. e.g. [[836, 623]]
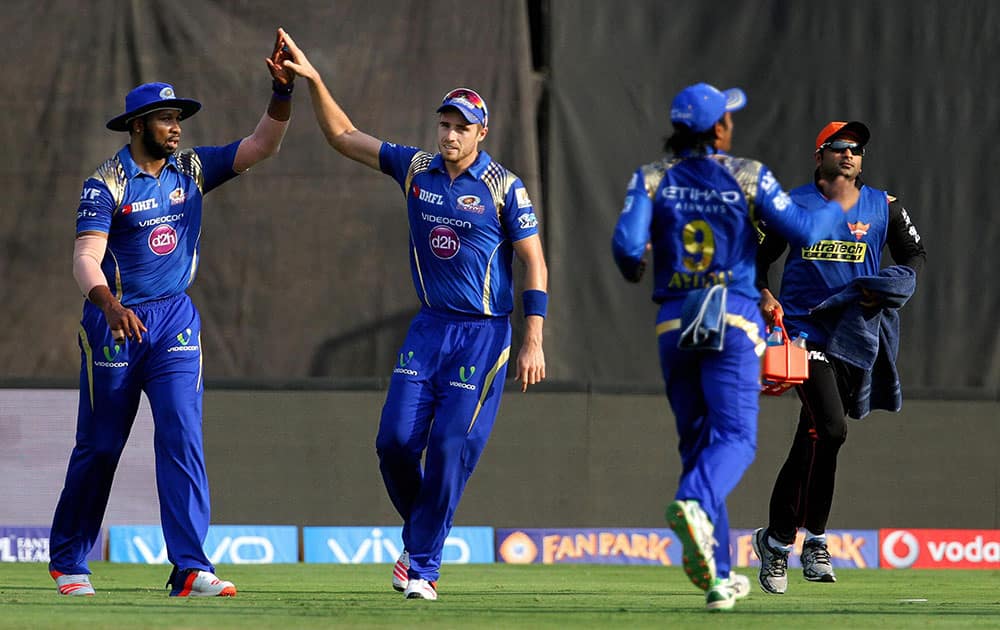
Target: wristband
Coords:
[[535, 302], [282, 92]]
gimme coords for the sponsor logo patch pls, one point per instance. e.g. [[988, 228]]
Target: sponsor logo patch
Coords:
[[523, 201], [444, 242], [470, 203], [177, 196], [858, 229], [140, 206], [836, 251], [163, 240], [527, 221]]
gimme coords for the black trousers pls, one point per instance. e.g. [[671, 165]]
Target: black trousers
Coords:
[[803, 491]]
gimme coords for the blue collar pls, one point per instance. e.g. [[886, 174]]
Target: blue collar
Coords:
[[132, 169], [476, 170], [689, 153]]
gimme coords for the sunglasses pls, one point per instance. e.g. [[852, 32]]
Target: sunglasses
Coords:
[[839, 146], [471, 97]]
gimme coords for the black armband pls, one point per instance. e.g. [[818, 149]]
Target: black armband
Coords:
[[282, 91]]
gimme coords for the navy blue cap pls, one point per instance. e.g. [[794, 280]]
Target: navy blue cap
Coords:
[[469, 104], [701, 105], [150, 97]]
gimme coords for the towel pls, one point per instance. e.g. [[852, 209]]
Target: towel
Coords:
[[868, 337], [703, 319]]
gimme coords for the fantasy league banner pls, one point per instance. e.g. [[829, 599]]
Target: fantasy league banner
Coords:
[[31, 544], [374, 545], [848, 548], [224, 544]]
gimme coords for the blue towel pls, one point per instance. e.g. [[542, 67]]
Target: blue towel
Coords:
[[703, 319], [868, 338]]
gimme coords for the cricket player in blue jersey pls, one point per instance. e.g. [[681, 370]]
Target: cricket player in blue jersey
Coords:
[[138, 231], [849, 254], [697, 210], [468, 217]]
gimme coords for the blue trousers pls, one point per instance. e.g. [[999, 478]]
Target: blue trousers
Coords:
[[167, 367], [443, 398], [715, 400]]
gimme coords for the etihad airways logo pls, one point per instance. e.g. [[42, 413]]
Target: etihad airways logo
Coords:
[[836, 251]]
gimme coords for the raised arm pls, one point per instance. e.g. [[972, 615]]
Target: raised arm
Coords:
[[265, 140], [531, 358], [338, 129]]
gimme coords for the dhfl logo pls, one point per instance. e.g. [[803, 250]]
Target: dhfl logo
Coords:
[[859, 229], [140, 206], [429, 197], [444, 242], [163, 240]]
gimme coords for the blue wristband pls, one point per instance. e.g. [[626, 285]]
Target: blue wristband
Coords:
[[535, 302]]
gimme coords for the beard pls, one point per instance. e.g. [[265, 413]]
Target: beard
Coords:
[[155, 149]]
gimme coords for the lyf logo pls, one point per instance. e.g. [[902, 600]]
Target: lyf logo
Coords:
[[163, 240], [900, 541], [444, 242]]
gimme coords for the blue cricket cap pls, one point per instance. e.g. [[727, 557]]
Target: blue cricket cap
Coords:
[[150, 97], [469, 104], [701, 105]]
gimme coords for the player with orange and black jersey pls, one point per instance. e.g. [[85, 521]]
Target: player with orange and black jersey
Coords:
[[819, 287]]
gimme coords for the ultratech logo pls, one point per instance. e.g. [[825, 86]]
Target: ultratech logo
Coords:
[[836, 251]]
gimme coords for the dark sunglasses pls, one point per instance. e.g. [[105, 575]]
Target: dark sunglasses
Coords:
[[839, 146]]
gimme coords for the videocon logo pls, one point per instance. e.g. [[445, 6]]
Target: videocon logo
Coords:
[[109, 355], [404, 361], [184, 339], [464, 374]]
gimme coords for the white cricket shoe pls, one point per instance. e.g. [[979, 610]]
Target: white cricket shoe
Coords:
[[400, 572], [421, 589], [72, 584], [195, 583], [694, 530]]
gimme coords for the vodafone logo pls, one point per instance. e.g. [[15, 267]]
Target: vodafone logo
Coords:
[[444, 242], [900, 549], [940, 548], [163, 240]]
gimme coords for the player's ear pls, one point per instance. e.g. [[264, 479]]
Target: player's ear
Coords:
[[482, 132]]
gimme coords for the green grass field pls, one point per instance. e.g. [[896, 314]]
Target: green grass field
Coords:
[[497, 596]]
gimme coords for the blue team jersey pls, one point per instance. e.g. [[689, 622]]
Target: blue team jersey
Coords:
[[461, 232], [153, 223], [700, 215], [851, 248]]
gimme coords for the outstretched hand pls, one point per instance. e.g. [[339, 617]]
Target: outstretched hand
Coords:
[[275, 63], [292, 59]]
